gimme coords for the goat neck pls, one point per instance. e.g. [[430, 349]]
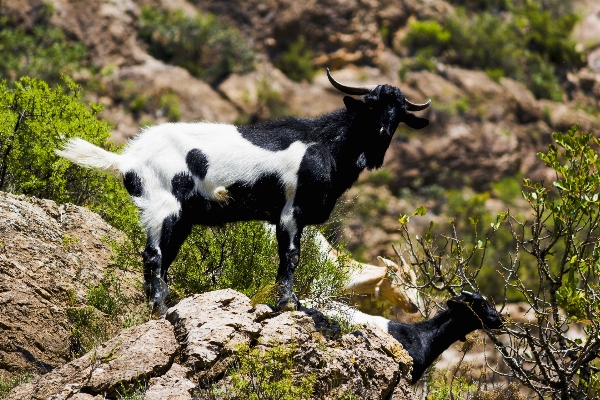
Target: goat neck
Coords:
[[426, 340]]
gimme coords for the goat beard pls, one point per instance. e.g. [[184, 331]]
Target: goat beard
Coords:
[[363, 162]]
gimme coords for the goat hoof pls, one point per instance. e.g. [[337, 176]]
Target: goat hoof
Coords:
[[288, 304]]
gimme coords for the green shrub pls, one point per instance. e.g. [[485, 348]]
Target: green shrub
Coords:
[[35, 120], [296, 62], [553, 266], [206, 47], [269, 375], [429, 33], [531, 45], [243, 256], [7, 384], [41, 51], [381, 177], [107, 295], [88, 329]]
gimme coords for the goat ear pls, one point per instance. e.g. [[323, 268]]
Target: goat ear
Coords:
[[415, 122], [352, 104], [455, 302]]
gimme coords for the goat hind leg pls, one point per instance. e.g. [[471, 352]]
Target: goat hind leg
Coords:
[[288, 241], [158, 259]]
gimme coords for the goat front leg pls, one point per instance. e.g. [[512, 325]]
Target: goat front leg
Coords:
[[288, 241]]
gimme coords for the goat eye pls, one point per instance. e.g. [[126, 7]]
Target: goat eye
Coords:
[[481, 304]]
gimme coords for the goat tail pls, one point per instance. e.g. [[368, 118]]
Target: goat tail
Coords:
[[83, 153]]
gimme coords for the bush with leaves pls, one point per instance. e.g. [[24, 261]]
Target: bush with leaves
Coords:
[[207, 48], [530, 44], [40, 51], [268, 375], [36, 119], [550, 355], [297, 61]]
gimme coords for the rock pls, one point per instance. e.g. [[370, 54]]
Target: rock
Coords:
[[335, 41], [171, 386], [105, 27], [587, 31], [433, 86], [527, 108], [562, 117], [477, 84], [267, 93], [205, 331], [49, 256], [136, 354], [153, 80], [213, 323]]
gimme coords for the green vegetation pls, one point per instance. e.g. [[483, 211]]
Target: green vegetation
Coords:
[[296, 62], [35, 120], [531, 45], [207, 48], [265, 374], [107, 295], [40, 51], [380, 177], [6, 384], [243, 256]]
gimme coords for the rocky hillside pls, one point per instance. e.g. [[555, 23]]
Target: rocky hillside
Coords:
[[55, 258], [481, 129], [181, 355]]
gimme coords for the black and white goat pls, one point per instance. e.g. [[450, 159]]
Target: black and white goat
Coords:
[[426, 340], [289, 172]]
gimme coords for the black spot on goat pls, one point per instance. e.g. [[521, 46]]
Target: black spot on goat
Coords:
[[289, 172]]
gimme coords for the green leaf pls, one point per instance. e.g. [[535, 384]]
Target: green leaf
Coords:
[[420, 211], [559, 185], [403, 219], [428, 234]]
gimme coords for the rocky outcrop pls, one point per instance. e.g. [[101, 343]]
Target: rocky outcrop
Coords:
[[196, 346], [50, 255], [339, 32]]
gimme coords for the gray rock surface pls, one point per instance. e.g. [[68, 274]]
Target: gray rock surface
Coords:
[[196, 345]]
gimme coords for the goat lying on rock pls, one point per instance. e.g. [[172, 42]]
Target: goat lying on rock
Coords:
[[426, 340], [289, 172]]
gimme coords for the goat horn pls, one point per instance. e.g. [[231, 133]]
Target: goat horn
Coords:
[[416, 107], [349, 89]]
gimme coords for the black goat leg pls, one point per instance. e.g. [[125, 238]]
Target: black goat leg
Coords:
[[288, 241]]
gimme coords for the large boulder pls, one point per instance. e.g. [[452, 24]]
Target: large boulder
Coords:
[[50, 255], [196, 346]]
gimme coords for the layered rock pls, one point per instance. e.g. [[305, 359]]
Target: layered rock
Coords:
[[50, 255]]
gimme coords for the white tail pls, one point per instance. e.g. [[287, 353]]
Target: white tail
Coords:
[[84, 153]]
